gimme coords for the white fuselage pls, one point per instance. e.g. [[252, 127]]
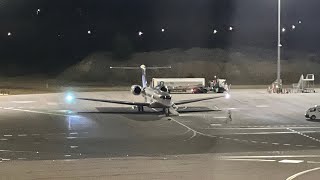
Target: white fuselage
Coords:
[[157, 98]]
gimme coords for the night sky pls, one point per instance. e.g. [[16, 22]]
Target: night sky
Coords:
[[46, 35]]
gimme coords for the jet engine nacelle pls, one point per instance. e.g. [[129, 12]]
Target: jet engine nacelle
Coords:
[[136, 90]]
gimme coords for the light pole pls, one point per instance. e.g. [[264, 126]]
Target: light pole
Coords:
[[279, 43]]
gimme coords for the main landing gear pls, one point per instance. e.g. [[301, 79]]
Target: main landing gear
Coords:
[[140, 109]]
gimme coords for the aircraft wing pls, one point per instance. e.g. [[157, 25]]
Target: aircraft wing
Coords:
[[116, 102], [196, 100]]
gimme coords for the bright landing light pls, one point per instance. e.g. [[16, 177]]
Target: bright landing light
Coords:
[[69, 98], [227, 96]]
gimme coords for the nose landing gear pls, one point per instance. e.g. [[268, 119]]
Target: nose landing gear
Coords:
[[166, 111], [140, 109]]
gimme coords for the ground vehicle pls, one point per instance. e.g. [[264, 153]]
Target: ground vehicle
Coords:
[[198, 90], [179, 84], [218, 85], [313, 113]]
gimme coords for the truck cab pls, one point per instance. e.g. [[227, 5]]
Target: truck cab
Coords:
[[218, 85], [313, 113]]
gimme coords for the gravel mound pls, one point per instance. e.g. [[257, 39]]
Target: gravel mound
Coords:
[[245, 66]]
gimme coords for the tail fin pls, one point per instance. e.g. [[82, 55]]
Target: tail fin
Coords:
[[144, 72], [144, 76]]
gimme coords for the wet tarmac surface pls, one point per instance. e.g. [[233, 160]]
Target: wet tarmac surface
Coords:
[[37, 127]]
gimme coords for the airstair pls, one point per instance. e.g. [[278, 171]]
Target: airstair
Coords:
[[305, 84]]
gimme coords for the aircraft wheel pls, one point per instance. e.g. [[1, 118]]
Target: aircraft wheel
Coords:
[[167, 112], [313, 117]]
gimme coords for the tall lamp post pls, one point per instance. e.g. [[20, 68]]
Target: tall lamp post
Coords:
[[279, 45]]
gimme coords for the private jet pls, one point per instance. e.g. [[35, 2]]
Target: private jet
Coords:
[[154, 97]]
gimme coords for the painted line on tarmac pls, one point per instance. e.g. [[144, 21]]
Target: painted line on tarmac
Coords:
[[193, 115], [22, 135], [215, 124], [269, 157], [313, 162], [301, 133], [255, 160], [284, 161], [189, 129], [220, 117], [23, 102], [226, 138], [302, 173], [264, 133], [52, 103], [293, 126], [262, 106], [289, 161], [217, 108], [232, 108], [72, 135], [312, 146], [195, 132], [220, 137], [261, 128], [40, 112]]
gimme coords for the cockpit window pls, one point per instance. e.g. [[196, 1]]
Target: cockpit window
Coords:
[[165, 97], [312, 109]]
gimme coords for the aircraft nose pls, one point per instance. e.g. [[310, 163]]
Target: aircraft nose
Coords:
[[168, 103]]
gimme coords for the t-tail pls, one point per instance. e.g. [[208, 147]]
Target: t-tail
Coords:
[[144, 76], [144, 72]]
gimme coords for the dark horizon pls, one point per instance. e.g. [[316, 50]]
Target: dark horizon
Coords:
[[57, 35]]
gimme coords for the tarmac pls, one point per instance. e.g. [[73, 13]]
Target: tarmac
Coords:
[[251, 135]]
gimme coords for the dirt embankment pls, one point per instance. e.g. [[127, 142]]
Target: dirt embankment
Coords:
[[249, 66]]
